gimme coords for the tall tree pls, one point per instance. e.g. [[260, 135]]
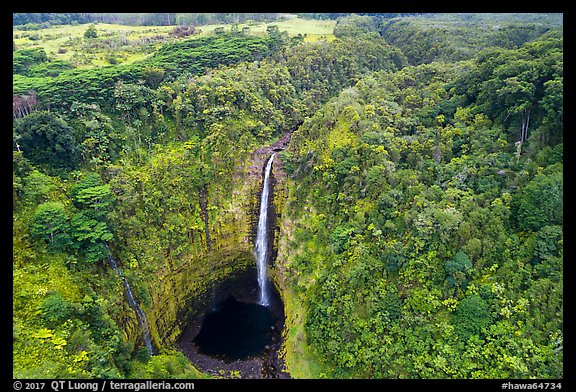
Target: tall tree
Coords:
[[46, 138], [50, 222]]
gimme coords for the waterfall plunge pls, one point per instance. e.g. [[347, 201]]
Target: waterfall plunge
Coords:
[[261, 248]]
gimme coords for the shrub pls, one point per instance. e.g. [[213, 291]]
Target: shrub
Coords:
[[471, 316], [55, 309]]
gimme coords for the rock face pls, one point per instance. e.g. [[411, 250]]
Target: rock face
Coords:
[[259, 157], [181, 297], [188, 292]]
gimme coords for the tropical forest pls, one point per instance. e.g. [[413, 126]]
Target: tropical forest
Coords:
[[287, 196]]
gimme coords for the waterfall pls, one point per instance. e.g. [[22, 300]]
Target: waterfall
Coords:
[[135, 306], [261, 249]]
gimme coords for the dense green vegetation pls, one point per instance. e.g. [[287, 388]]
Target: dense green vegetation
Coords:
[[432, 38], [422, 231], [97, 86], [431, 216]]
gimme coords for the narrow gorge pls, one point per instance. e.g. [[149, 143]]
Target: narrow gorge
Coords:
[[241, 331], [233, 322]]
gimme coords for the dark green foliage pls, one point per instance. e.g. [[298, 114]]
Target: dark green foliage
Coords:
[[354, 25], [457, 269], [548, 253], [510, 86], [153, 76], [277, 38], [56, 310], [432, 194], [80, 340], [37, 187], [106, 338], [23, 59], [421, 242], [192, 56], [392, 305], [340, 238], [90, 236], [51, 68], [393, 260], [91, 32], [432, 38], [548, 242], [143, 355], [541, 202], [88, 226], [19, 19], [472, 315], [50, 223], [92, 194], [47, 139], [94, 313], [485, 292], [99, 140]]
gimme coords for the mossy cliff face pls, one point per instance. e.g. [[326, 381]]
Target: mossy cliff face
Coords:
[[277, 208], [188, 292], [180, 294], [174, 293], [298, 359]]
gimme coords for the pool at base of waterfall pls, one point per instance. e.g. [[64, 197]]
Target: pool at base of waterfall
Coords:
[[235, 330], [230, 335]]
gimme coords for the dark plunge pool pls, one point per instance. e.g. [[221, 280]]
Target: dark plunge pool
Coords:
[[235, 330]]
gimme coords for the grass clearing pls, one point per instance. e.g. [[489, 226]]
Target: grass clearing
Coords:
[[114, 44], [293, 26], [126, 44]]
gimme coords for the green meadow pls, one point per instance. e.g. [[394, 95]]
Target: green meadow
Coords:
[[117, 43]]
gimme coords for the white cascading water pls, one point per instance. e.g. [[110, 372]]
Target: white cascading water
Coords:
[[135, 306], [261, 248]]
